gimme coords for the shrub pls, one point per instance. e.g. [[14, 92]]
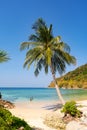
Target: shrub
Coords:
[[6, 115], [70, 108], [17, 123], [9, 122]]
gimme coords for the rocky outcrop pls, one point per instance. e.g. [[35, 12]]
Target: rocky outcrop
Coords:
[[54, 121], [6, 104]]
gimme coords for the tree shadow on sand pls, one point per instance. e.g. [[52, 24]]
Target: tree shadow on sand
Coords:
[[53, 107]]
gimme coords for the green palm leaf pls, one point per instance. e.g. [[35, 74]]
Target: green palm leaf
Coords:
[[3, 56]]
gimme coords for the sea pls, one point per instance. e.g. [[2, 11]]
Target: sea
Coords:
[[41, 94]]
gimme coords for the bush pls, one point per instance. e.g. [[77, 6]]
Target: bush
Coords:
[[9, 122], [6, 115], [70, 108], [17, 123]]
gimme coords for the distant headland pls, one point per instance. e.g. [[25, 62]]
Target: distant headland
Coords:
[[74, 79]]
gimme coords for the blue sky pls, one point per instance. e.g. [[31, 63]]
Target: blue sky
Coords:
[[69, 19]]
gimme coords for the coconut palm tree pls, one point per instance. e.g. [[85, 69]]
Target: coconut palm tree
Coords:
[[3, 56], [47, 51]]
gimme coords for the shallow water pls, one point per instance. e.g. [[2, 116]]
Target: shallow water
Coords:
[[41, 94]]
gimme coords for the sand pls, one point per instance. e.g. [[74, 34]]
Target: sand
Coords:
[[34, 112]]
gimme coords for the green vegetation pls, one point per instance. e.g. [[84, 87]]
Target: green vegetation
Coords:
[[47, 51], [9, 122], [73, 79], [71, 109], [3, 56]]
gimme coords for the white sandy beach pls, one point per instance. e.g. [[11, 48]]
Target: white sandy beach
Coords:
[[34, 112]]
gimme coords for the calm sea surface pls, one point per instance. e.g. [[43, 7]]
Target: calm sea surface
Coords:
[[41, 94]]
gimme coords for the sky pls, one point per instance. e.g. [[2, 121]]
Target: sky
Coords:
[[69, 20]]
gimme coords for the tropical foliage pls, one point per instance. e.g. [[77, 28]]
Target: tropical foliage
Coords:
[[71, 108], [74, 79], [3, 56], [9, 122], [47, 51]]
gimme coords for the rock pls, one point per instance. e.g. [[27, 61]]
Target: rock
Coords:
[[21, 128], [68, 118], [85, 114], [6, 104], [83, 120], [74, 125], [55, 122]]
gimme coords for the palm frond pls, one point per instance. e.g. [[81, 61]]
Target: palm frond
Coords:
[[38, 67], [28, 45], [3, 56], [46, 68], [24, 45], [65, 47], [42, 32], [34, 38], [50, 29], [58, 63], [56, 40], [69, 59], [33, 55], [39, 23]]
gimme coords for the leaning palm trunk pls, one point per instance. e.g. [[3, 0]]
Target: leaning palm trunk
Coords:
[[58, 91], [56, 86]]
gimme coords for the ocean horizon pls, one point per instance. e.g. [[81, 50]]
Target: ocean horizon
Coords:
[[21, 94]]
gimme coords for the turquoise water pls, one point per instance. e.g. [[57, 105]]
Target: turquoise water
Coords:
[[41, 94]]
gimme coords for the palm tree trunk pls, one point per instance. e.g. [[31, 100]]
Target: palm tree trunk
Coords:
[[58, 91], [57, 88]]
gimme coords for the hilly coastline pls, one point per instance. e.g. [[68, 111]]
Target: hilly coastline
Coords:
[[74, 79]]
